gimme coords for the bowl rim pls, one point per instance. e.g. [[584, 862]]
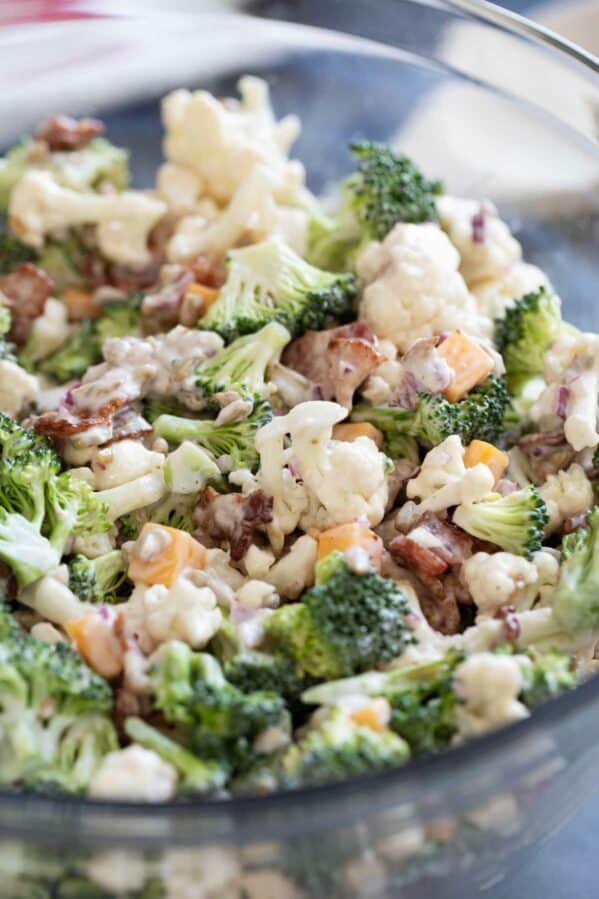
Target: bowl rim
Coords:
[[427, 767]]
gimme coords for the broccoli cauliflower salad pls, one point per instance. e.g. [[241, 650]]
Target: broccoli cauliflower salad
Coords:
[[287, 493]]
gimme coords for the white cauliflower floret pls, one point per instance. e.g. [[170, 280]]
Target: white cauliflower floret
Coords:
[[484, 242], [255, 594], [123, 461], [495, 580], [221, 142], [252, 215], [444, 480], [572, 374], [181, 188], [318, 482], [40, 207], [134, 774], [489, 685], [135, 494], [566, 494], [187, 611], [494, 295], [413, 287], [49, 330], [17, 388], [203, 872]]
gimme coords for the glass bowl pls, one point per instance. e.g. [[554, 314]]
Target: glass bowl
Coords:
[[498, 108]]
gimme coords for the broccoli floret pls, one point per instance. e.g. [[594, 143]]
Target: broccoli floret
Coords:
[[345, 624], [40, 509], [195, 774], [236, 440], [251, 670], [98, 580], [269, 282], [174, 511], [84, 348], [53, 708], [422, 700], [63, 260], [550, 674], [221, 722], [387, 188], [13, 252], [84, 169], [336, 749], [576, 597], [8, 626], [242, 366], [525, 333], [155, 406], [515, 522], [7, 349], [479, 415]]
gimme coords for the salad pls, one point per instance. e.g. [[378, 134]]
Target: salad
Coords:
[[291, 489]]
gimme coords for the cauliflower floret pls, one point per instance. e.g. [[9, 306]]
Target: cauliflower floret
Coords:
[[294, 572], [319, 482], [252, 215], [566, 494], [572, 376], [494, 295], [203, 872], [17, 388], [49, 330], [122, 462], [413, 287], [483, 240], [181, 188], [255, 594], [221, 142], [39, 207], [187, 611], [134, 774], [444, 480], [495, 580], [488, 684]]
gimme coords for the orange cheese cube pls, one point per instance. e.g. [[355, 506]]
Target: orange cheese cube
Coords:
[[470, 364], [479, 451], [162, 553], [97, 643], [81, 304], [346, 536], [208, 294], [350, 430]]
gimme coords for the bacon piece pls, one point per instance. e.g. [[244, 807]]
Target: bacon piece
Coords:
[[209, 272], [451, 546], [160, 310], [129, 424], [337, 360], [441, 612], [64, 422], [25, 291], [548, 451], [61, 132], [234, 518]]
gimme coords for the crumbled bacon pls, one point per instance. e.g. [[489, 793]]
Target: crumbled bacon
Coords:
[[208, 272], [233, 518], [129, 424], [337, 360], [64, 422], [441, 612], [25, 291], [161, 309], [451, 547], [548, 451], [61, 132]]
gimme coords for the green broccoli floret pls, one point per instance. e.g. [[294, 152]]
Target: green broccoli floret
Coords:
[[195, 774], [63, 260], [40, 509], [236, 439], [421, 697], [84, 169], [13, 252], [269, 282], [387, 188], [525, 333], [243, 365], [220, 721], [337, 749], [479, 415], [155, 406], [515, 522], [53, 708], [7, 349], [346, 623], [8, 626], [174, 511], [576, 597], [99, 579], [251, 670], [550, 674], [84, 348]]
